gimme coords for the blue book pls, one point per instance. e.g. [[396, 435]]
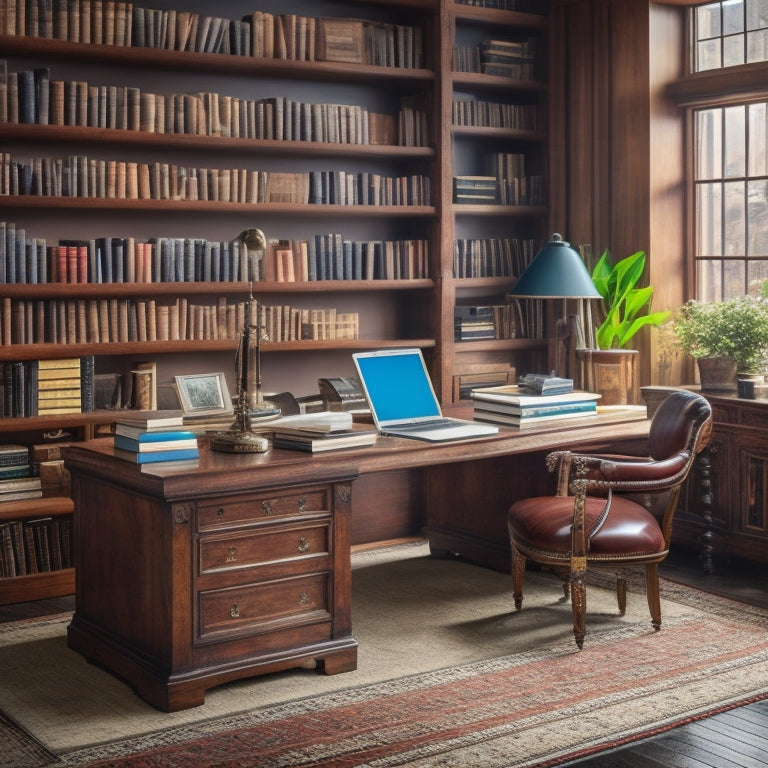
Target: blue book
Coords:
[[139, 445], [153, 457]]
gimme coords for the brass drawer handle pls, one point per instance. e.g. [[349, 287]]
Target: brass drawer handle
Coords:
[[220, 512], [303, 599], [303, 545], [232, 555], [302, 502], [234, 611], [266, 507]]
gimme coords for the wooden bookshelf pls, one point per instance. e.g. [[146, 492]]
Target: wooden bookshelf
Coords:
[[404, 312]]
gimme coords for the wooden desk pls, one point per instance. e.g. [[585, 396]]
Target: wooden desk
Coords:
[[186, 579]]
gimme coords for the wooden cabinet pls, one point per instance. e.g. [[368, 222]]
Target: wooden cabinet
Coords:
[[724, 513], [185, 592], [398, 306]]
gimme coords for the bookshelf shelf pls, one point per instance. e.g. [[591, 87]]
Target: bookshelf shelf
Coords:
[[106, 290], [218, 63], [216, 207], [148, 348], [117, 136]]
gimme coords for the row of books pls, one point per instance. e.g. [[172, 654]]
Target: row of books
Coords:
[[79, 176], [32, 97], [327, 256], [35, 546], [151, 437], [491, 257], [259, 34], [473, 323], [524, 6], [490, 190], [107, 321], [47, 387], [512, 405], [493, 114], [515, 60]]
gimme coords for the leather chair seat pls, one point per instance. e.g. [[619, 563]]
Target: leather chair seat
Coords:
[[629, 530]]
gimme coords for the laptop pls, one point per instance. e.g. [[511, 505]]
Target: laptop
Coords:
[[402, 400]]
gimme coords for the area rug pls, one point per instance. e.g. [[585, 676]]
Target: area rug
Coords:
[[449, 675]]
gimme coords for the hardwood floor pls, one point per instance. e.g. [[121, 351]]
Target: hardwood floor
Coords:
[[734, 739]]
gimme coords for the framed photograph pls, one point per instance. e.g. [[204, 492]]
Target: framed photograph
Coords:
[[203, 394]]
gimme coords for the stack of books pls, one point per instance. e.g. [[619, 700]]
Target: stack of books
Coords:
[[315, 438], [513, 406], [16, 480], [149, 437], [475, 190]]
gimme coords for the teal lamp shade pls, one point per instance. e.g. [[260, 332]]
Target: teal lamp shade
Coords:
[[556, 271]]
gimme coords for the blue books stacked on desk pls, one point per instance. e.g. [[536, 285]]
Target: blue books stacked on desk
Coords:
[[513, 406], [150, 437]]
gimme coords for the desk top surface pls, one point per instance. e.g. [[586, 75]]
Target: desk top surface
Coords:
[[225, 472]]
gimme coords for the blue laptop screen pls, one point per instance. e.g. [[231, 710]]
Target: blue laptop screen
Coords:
[[398, 387]]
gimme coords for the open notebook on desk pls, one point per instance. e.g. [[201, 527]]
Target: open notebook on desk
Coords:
[[403, 402]]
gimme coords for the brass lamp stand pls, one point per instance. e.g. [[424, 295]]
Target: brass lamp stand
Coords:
[[249, 406]]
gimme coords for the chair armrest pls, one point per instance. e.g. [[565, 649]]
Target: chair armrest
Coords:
[[617, 473]]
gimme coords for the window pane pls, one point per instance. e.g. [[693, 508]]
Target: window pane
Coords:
[[758, 137], [708, 55], [733, 16], [733, 50], [710, 287], [734, 279], [734, 219], [709, 215], [735, 160], [757, 45], [757, 14], [758, 218], [757, 272], [710, 147], [708, 21]]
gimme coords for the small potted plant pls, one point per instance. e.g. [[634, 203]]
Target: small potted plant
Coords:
[[625, 310], [728, 339]]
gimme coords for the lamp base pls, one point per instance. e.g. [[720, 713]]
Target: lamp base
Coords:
[[239, 442]]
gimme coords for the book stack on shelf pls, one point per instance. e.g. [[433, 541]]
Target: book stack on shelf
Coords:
[[471, 323], [318, 437], [475, 190], [512, 405], [154, 436], [16, 475]]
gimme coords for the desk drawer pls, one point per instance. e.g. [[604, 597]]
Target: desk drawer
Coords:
[[266, 607], [262, 546], [237, 510]]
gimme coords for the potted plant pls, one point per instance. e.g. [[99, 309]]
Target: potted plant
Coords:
[[610, 368], [728, 336]]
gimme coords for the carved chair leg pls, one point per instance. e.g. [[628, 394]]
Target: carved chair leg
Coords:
[[579, 605], [621, 593], [652, 589], [518, 575]]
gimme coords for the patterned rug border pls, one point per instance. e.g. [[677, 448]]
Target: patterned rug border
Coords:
[[713, 605]]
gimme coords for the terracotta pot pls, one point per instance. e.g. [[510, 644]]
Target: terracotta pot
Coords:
[[610, 372], [717, 374]]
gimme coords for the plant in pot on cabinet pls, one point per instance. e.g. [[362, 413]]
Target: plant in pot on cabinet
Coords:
[[728, 340], [610, 368]]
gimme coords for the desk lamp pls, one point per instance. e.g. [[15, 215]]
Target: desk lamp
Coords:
[[558, 272]]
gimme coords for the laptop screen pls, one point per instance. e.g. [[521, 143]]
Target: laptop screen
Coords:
[[397, 384]]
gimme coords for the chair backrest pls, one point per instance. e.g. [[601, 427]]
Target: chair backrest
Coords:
[[682, 422]]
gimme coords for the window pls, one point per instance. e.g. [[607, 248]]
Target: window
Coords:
[[730, 155], [729, 33]]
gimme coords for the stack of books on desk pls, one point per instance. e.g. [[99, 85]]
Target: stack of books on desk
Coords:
[[154, 436], [514, 407], [314, 438]]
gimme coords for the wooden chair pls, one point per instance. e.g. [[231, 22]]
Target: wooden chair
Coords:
[[606, 511]]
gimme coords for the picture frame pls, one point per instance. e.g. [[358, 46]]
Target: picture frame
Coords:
[[203, 394]]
